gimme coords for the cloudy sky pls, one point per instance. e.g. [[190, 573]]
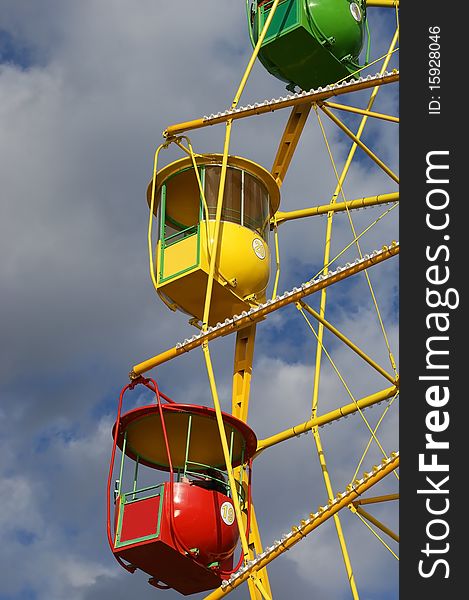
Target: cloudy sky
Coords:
[[86, 89]]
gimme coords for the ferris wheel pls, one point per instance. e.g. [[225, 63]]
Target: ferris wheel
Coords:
[[181, 501]]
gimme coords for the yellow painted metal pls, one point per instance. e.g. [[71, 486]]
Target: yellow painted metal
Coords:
[[185, 272], [348, 342], [338, 189], [376, 522], [298, 533], [383, 3], [320, 335], [255, 548], [219, 278], [216, 238], [374, 438], [150, 220], [337, 523], [289, 141], [359, 143], [242, 371], [375, 499], [208, 296], [364, 202], [361, 111], [145, 439], [362, 415], [254, 54], [183, 187], [356, 237], [338, 413], [241, 275], [374, 532], [287, 102], [258, 584], [277, 259], [226, 451], [315, 430], [386, 253]]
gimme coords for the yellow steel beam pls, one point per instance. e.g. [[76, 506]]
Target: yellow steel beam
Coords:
[[307, 526], [330, 215], [264, 309], [255, 548], [359, 143], [362, 111], [254, 54], [289, 141], [243, 362], [226, 451], [329, 417], [348, 342], [256, 582], [376, 522], [322, 309], [284, 102], [242, 371], [216, 233], [375, 499], [281, 216], [383, 3], [337, 523]]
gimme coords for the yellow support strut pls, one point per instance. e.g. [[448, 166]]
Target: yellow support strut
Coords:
[[289, 141], [295, 100], [366, 515], [358, 142], [383, 3], [338, 413], [348, 342], [322, 311], [259, 314], [361, 111], [342, 500], [242, 371], [282, 217]]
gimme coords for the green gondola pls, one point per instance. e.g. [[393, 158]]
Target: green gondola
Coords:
[[310, 43]]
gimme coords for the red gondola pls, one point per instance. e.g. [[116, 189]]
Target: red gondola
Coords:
[[181, 531]]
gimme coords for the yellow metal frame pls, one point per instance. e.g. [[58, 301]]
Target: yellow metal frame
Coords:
[[256, 558], [324, 513], [280, 103], [290, 298]]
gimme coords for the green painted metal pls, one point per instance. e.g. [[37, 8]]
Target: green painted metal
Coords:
[[160, 509], [188, 439], [231, 443], [121, 471], [310, 43], [124, 502], [162, 229], [135, 476], [177, 237], [119, 522]]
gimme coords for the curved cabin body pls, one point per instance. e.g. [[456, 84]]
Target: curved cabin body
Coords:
[[145, 536], [310, 43], [187, 212]]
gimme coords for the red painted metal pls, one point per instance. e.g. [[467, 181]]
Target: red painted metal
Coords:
[[140, 519], [186, 537], [197, 525]]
